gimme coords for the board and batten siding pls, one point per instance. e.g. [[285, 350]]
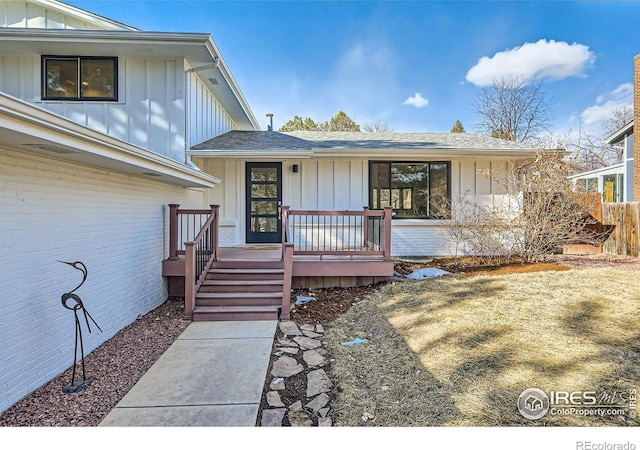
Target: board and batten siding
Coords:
[[343, 184], [207, 117], [117, 225], [22, 14], [149, 113]]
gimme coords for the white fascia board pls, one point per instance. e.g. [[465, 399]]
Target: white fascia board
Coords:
[[608, 170], [399, 153], [24, 127]]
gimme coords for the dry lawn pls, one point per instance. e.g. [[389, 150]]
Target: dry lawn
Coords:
[[459, 350]]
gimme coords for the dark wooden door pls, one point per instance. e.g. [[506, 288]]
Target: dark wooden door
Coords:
[[264, 202]]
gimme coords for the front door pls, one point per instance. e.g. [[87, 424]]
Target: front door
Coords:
[[264, 202]]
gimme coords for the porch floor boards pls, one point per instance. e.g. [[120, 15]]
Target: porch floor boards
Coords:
[[271, 254]]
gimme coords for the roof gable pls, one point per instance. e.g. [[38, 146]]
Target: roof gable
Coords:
[[53, 14]]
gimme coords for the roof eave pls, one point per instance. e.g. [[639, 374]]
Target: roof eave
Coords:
[[27, 128]]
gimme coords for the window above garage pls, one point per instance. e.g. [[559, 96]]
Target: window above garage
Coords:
[[85, 78]]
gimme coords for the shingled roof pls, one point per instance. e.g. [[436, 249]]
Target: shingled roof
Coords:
[[310, 140]]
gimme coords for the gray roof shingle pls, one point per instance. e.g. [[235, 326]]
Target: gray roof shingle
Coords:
[[307, 140]]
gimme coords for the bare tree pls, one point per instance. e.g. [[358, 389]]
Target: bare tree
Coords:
[[619, 118], [535, 214], [512, 109], [378, 126]]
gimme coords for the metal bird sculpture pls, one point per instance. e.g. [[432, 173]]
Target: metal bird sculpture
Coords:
[[73, 302]]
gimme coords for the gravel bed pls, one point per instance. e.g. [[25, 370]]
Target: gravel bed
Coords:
[[114, 368]]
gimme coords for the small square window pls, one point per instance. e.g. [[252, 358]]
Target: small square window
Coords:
[[79, 78]]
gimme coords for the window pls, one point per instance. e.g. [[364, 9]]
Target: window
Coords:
[[79, 78], [413, 189]]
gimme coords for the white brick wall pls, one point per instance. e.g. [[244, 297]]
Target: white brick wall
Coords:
[[51, 210]]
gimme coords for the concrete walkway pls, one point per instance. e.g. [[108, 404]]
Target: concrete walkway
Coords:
[[211, 376]]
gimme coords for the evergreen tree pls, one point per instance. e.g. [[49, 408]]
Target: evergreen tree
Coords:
[[458, 128]]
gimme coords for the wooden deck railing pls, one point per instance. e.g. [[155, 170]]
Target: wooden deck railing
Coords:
[[184, 225], [340, 233], [200, 250]]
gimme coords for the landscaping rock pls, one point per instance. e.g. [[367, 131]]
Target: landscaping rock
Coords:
[[272, 417], [289, 328], [286, 367], [317, 403], [277, 384], [317, 383], [273, 399], [324, 422], [299, 419], [307, 343], [311, 334], [297, 406], [313, 358]]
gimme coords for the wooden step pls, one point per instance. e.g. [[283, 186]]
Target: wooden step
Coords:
[[245, 274], [221, 313], [244, 264], [225, 285], [238, 298]]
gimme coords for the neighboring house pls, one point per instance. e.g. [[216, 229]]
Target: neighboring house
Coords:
[[418, 174], [615, 182], [95, 119]]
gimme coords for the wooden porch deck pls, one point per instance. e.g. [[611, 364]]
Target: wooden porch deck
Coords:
[[319, 249]]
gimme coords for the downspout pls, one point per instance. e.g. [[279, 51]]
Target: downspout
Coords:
[[187, 96]]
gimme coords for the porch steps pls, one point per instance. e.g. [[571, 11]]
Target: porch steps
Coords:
[[240, 290]]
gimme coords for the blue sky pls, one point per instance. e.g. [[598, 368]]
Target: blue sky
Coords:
[[417, 65]]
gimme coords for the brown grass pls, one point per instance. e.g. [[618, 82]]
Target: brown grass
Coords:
[[459, 350]]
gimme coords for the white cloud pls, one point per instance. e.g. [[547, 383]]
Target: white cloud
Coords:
[[417, 100], [533, 61], [620, 97]]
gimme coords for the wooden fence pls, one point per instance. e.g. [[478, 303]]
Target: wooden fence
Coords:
[[624, 220]]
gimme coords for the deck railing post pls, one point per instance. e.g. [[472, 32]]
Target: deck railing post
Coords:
[[365, 227], [286, 286], [189, 279], [173, 231], [215, 230], [285, 224], [387, 231]]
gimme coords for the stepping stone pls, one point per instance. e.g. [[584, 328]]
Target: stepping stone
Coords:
[[307, 327], [297, 406], [272, 417], [299, 419], [277, 384], [313, 358], [324, 422], [311, 334], [307, 343], [289, 350], [286, 367], [273, 399], [287, 342], [323, 411], [319, 329], [317, 383], [317, 403], [289, 328]]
